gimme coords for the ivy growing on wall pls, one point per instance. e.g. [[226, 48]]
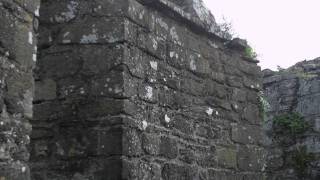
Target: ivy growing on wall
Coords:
[[301, 160], [292, 124]]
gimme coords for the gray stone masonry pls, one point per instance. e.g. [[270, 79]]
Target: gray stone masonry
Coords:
[[18, 26], [126, 90]]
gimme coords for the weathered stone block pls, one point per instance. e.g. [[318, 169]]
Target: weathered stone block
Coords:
[[131, 142], [251, 114], [223, 175], [177, 172], [168, 147], [153, 44], [141, 170], [251, 158], [227, 157], [247, 134], [92, 30], [151, 144], [45, 90], [105, 142]]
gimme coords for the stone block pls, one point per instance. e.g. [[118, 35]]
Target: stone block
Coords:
[[247, 134], [141, 170], [105, 142], [131, 142], [168, 147], [153, 44], [251, 158], [251, 114], [197, 64], [93, 30], [223, 175], [227, 157], [45, 90], [101, 107], [151, 144], [178, 172]]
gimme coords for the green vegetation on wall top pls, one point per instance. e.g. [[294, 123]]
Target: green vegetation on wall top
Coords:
[[250, 53]]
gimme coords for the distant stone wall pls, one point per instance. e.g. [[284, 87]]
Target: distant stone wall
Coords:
[[17, 56], [296, 89]]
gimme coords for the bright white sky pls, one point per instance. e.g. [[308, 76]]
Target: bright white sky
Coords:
[[282, 32]]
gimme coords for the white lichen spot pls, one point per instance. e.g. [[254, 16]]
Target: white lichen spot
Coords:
[[252, 86], [167, 119], [66, 41], [236, 106], [154, 65], [91, 38], [172, 54], [30, 39], [144, 125], [50, 39], [193, 66], [217, 113], [162, 24], [118, 90], [1, 123], [209, 111], [70, 14], [34, 57], [149, 91], [141, 14], [36, 12], [12, 66], [82, 91], [23, 169], [214, 45], [174, 35], [66, 34], [154, 44]]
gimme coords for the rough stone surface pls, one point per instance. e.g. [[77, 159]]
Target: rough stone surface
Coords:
[[295, 89], [125, 89], [18, 26]]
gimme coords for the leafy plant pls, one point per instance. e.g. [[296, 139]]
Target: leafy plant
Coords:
[[264, 105], [292, 123], [301, 160], [250, 53]]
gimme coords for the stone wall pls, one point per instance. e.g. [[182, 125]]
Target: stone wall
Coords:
[[143, 90], [126, 89], [17, 56], [296, 89]]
